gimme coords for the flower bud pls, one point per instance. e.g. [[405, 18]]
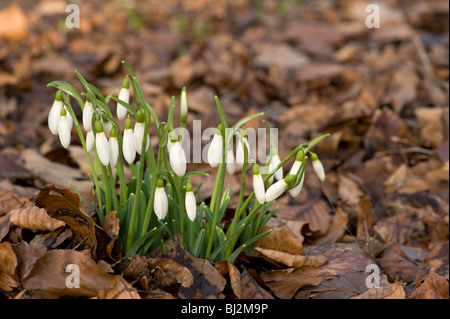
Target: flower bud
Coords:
[[183, 106], [258, 184], [124, 95], [55, 113], [113, 147], [128, 148], [190, 202], [139, 131], [215, 150], [64, 128], [177, 157], [275, 190], [101, 143], [161, 204], [318, 167], [88, 112], [90, 141]]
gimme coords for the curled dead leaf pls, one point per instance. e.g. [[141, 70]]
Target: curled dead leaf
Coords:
[[8, 260], [290, 260], [388, 291], [434, 287], [35, 219], [168, 272], [227, 269], [281, 240]]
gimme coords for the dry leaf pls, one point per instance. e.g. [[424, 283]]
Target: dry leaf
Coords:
[[50, 275], [35, 219], [281, 240], [434, 287], [7, 283], [27, 254], [168, 272], [65, 206], [290, 260], [227, 269], [135, 267], [389, 291], [8, 260], [251, 289], [285, 283]]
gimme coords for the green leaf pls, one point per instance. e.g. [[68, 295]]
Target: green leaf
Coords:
[[146, 239]]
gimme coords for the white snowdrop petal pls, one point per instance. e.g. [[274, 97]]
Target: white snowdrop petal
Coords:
[[229, 157], [90, 139], [161, 203], [177, 158], [275, 161], [64, 131], [88, 112], [296, 190], [124, 95], [275, 190], [139, 129], [318, 168], [113, 151], [191, 205], [102, 145], [258, 186], [295, 167], [128, 148], [215, 151], [240, 155], [54, 116]]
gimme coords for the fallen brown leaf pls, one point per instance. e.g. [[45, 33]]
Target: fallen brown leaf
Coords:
[[434, 287], [390, 291], [290, 260], [35, 219], [281, 240], [229, 270]]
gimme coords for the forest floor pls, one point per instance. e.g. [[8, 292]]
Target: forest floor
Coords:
[[312, 67]]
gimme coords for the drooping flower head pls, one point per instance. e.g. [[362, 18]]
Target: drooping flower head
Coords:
[[215, 151], [88, 113], [64, 128], [113, 147], [101, 143], [190, 202], [275, 190], [258, 184], [318, 167], [55, 113], [177, 156], [139, 130], [124, 95], [128, 148], [161, 204]]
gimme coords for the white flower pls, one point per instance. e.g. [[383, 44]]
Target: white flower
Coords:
[[107, 124], [318, 167], [88, 112], [274, 162], [161, 204], [215, 150], [139, 130], [124, 95], [64, 129], [190, 202], [275, 190], [296, 190], [113, 148], [240, 155], [128, 148], [177, 158], [55, 114], [229, 158], [90, 139], [102, 145], [258, 184]]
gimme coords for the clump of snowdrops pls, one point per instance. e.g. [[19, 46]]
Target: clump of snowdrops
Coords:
[[159, 201]]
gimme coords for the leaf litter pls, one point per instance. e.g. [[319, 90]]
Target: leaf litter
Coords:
[[382, 94]]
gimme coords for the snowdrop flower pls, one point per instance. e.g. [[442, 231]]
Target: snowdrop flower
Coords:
[[240, 156], [113, 147], [318, 167], [128, 148], [294, 170], [55, 113], [90, 139], [176, 155], [258, 184], [64, 128], [161, 204], [229, 158], [101, 143], [124, 95], [190, 203], [183, 106], [275, 190], [88, 112], [215, 150], [274, 162], [139, 131]]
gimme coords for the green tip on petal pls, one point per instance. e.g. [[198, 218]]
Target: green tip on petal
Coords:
[[88, 99], [140, 116], [219, 129], [255, 169], [189, 186], [128, 124], [63, 111], [126, 83], [59, 96], [314, 156], [98, 126], [160, 183], [300, 156], [113, 132], [173, 136]]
